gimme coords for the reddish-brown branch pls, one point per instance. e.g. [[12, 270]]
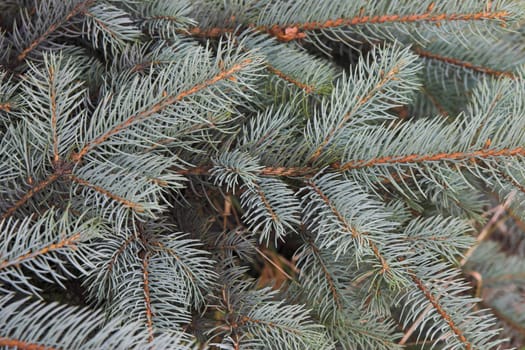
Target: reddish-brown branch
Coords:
[[119, 251], [209, 33], [174, 254], [463, 64], [292, 172], [147, 299], [307, 88], [297, 30], [22, 345], [35, 189], [67, 242], [346, 225], [52, 28], [419, 158], [267, 204], [437, 306], [101, 24], [268, 171], [386, 78], [156, 108], [125, 202]]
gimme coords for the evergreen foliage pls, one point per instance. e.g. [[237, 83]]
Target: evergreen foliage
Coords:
[[247, 174]]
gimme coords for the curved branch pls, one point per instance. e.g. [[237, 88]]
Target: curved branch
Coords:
[[307, 88], [328, 276]]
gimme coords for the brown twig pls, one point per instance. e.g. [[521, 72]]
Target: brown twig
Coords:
[[486, 231], [463, 64], [22, 345], [418, 158]]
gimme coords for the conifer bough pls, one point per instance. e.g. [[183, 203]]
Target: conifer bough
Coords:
[[260, 174]]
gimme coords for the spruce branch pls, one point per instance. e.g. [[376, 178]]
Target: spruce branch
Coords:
[[463, 64], [147, 298], [159, 106], [30, 193], [323, 203], [76, 8], [389, 84], [444, 157], [437, 306], [351, 22], [73, 328], [296, 31], [127, 203], [47, 240], [337, 225]]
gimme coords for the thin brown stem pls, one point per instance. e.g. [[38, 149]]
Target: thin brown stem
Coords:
[[147, 298], [350, 229], [328, 276], [307, 88], [30, 193], [119, 251], [52, 28], [69, 242], [125, 202], [487, 229], [22, 345], [442, 312], [463, 64], [267, 171], [419, 158], [298, 31]]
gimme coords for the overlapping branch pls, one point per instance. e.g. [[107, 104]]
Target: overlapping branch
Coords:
[[69, 242], [463, 64], [296, 31], [125, 202], [158, 107], [444, 157], [78, 9]]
